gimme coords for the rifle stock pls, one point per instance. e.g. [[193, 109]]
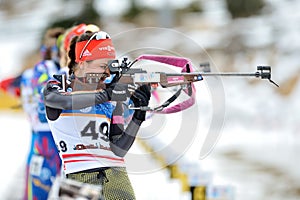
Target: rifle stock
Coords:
[[161, 78]]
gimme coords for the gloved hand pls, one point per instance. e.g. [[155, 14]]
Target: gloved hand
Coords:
[[119, 91], [141, 97], [52, 86]]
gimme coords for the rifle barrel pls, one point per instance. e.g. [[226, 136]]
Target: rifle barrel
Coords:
[[229, 74], [256, 74]]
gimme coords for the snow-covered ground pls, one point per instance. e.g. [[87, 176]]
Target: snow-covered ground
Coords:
[[16, 139]]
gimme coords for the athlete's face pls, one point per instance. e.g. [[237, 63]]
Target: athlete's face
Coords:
[[93, 66], [97, 66]]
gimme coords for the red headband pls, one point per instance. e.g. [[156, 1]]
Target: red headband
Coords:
[[94, 49]]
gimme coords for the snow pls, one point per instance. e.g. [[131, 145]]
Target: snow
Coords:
[[16, 137]]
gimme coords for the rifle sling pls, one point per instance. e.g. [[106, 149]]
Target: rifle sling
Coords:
[[169, 101]]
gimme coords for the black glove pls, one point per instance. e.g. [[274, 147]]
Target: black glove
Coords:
[[119, 91], [140, 98], [52, 113], [52, 86]]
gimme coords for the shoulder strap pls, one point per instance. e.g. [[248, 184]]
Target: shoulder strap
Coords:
[[186, 66]]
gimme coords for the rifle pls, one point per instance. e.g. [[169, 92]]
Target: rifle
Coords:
[[128, 75], [124, 73]]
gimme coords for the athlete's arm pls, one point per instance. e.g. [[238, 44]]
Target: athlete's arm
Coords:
[[74, 100], [121, 140], [56, 101]]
